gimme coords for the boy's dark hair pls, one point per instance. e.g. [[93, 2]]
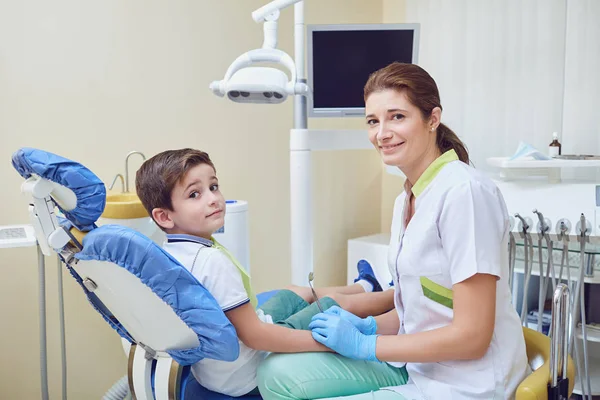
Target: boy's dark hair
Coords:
[[157, 176]]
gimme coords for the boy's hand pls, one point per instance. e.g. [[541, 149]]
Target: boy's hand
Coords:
[[366, 326]]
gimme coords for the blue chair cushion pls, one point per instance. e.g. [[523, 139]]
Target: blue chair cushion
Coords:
[[170, 281], [193, 390], [88, 188]]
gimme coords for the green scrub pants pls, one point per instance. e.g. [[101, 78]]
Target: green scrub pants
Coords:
[[327, 376]]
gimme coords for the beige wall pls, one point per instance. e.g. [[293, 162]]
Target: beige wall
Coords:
[[393, 11], [94, 80]]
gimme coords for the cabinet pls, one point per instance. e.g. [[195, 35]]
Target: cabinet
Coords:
[[591, 290], [557, 190]]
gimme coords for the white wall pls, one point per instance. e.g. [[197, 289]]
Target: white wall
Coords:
[[581, 133], [509, 71], [499, 67]]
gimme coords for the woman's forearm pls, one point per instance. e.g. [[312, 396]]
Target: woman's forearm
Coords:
[[443, 344], [388, 323]]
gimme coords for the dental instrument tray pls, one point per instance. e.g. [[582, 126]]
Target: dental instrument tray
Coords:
[[564, 161], [576, 157]]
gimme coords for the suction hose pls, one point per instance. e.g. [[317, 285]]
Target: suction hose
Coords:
[[118, 391]]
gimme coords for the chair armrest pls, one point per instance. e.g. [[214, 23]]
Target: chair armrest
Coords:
[[535, 386]]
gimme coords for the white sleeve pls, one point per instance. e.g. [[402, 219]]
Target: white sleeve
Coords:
[[223, 280], [473, 224]]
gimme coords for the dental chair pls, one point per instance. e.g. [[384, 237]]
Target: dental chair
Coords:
[[553, 375], [168, 318]]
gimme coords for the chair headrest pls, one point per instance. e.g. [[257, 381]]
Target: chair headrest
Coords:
[[87, 187]]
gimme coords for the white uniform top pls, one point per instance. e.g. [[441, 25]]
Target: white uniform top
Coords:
[[459, 228], [219, 275]]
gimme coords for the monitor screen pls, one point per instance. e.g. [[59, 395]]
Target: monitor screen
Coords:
[[341, 58]]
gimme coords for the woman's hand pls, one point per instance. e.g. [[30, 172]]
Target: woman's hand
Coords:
[[367, 326], [342, 336]]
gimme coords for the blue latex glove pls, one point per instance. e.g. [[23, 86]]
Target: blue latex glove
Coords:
[[344, 338], [368, 325]]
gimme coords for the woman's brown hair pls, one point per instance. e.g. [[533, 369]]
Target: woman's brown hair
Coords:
[[422, 91]]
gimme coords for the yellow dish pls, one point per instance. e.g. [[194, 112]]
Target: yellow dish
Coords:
[[123, 206]]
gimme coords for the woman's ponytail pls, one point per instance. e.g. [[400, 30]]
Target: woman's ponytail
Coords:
[[448, 140]]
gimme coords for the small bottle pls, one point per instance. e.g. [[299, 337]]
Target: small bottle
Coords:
[[554, 148]]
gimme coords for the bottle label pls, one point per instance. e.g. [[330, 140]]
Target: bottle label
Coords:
[[553, 151]]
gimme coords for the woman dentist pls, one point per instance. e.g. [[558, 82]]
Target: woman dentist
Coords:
[[453, 332]]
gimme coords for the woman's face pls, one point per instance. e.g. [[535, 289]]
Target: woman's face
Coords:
[[397, 129]]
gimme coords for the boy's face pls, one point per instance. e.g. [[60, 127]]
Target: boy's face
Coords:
[[198, 205]]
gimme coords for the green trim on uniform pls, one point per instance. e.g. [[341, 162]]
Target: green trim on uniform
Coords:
[[431, 172], [437, 292]]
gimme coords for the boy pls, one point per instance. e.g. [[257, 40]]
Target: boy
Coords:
[[180, 190]]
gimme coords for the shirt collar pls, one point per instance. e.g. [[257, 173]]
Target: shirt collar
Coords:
[[180, 237], [430, 173]]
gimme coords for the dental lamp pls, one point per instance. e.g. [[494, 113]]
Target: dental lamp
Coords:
[[245, 83]]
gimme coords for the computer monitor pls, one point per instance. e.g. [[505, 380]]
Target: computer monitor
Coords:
[[341, 58]]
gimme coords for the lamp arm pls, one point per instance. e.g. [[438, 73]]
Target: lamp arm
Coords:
[[260, 15]]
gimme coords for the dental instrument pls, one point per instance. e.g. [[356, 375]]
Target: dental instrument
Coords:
[[310, 279], [543, 228], [524, 224], [559, 356], [542, 287], [563, 229], [583, 228]]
